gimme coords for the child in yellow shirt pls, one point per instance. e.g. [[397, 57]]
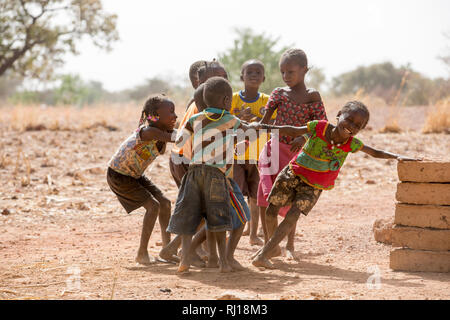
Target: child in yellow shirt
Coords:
[[249, 105]]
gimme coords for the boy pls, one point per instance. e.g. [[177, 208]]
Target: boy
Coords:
[[248, 105], [205, 189]]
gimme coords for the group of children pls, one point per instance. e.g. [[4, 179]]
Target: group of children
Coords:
[[279, 151]]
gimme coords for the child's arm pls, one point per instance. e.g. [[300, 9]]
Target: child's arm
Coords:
[[284, 130], [267, 116], [152, 133], [381, 154]]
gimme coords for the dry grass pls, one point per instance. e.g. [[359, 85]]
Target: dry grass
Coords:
[[35, 118], [438, 120]]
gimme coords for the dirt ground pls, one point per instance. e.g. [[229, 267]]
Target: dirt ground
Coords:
[[64, 235]]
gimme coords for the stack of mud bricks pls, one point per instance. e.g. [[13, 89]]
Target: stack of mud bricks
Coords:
[[422, 217]]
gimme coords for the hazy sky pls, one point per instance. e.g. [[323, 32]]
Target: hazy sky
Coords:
[[162, 38]]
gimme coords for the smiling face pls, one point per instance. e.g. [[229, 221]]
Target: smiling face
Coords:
[[350, 122], [166, 113], [292, 72], [253, 75]]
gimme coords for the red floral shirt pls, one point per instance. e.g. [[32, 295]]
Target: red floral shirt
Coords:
[[292, 113]]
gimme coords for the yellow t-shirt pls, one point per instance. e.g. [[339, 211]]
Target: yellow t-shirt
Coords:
[[257, 109]]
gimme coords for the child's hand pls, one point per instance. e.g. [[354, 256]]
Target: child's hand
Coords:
[[297, 143], [246, 114]]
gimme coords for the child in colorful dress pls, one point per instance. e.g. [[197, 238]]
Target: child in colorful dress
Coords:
[[205, 189], [295, 106], [313, 169], [248, 105], [126, 169]]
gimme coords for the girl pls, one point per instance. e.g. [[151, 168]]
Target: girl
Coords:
[[295, 106], [314, 168], [126, 169]]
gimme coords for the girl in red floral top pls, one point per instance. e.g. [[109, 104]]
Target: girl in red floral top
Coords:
[[295, 105]]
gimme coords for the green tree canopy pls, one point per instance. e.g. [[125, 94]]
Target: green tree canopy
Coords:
[[36, 34]]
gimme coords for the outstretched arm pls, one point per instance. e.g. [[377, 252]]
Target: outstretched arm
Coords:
[[381, 154], [152, 133]]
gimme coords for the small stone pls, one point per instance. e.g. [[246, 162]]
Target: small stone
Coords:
[[370, 182], [6, 212]]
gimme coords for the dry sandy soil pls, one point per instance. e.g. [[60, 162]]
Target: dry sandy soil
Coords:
[[65, 225]]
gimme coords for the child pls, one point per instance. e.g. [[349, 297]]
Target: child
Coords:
[[193, 77], [127, 166], [205, 190], [248, 104], [314, 168], [295, 105]]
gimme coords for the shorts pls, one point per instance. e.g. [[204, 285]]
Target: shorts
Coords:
[[240, 212], [203, 194], [133, 193], [247, 177], [289, 189], [178, 171]]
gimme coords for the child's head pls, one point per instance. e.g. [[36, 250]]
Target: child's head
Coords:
[[217, 93], [211, 69], [193, 72], [252, 73], [158, 109], [352, 118], [198, 97], [293, 66]]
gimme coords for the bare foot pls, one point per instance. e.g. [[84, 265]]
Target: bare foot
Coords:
[[260, 261], [213, 263], [144, 258], [246, 232], [253, 256], [290, 255], [235, 265], [255, 241], [275, 252], [225, 267], [182, 268], [197, 261], [202, 253], [168, 256]]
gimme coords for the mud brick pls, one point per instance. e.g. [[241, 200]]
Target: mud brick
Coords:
[[423, 193], [423, 171], [421, 238], [420, 260], [423, 216]]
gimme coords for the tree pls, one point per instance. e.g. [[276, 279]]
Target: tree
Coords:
[[249, 45], [36, 34]]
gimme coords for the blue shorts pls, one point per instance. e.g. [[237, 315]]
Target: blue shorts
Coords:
[[203, 194]]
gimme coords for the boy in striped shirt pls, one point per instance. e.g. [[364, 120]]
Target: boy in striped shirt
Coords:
[[205, 189]]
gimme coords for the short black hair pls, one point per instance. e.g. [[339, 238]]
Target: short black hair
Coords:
[[251, 61], [215, 89], [359, 107], [298, 55], [193, 71], [206, 68], [198, 97]]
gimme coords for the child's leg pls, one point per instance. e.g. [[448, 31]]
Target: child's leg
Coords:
[[213, 259], [224, 266], [152, 206], [185, 245], [231, 247], [164, 217], [254, 240], [261, 260], [271, 225], [262, 216], [198, 239], [290, 243], [169, 252]]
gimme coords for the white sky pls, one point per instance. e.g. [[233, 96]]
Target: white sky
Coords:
[[162, 38]]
